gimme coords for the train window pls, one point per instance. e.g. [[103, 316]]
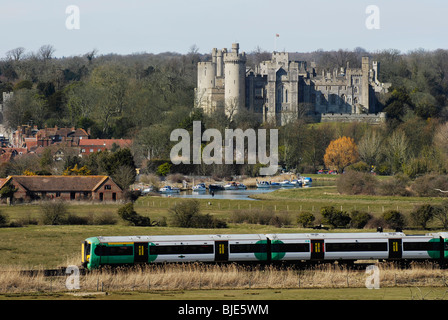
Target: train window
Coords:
[[181, 249], [114, 251], [290, 247], [248, 247], [356, 246], [421, 246]]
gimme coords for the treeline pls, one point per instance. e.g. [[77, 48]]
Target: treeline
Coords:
[[146, 96]]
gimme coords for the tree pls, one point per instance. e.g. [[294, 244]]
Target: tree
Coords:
[[369, 147], [46, 51], [341, 153], [15, 54], [422, 215], [396, 150], [128, 213], [394, 219], [305, 219], [441, 214], [334, 217], [75, 171], [359, 219]]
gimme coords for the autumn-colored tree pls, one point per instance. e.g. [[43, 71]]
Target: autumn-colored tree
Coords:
[[341, 153]]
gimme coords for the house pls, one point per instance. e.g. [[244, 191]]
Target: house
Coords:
[[100, 188], [88, 146], [31, 137]]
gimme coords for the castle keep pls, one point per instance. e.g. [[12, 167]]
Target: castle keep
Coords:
[[281, 90]]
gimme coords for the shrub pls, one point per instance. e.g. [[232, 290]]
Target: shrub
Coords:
[[106, 218], [427, 185], [305, 219], [72, 219], [164, 169], [422, 215], [353, 182], [359, 219], [3, 219], [441, 214], [334, 217], [187, 214], [263, 217], [128, 214], [396, 186], [53, 212], [359, 166], [394, 219]]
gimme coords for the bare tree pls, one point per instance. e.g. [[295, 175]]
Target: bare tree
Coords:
[[46, 51], [15, 54], [369, 147]]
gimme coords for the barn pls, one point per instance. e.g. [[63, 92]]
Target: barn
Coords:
[[99, 188]]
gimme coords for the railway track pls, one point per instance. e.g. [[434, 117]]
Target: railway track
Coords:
[[59, 272]]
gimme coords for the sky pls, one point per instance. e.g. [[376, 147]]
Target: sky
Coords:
[[154, 26]]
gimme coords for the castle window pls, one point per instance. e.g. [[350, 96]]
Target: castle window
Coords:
[[286, 95]]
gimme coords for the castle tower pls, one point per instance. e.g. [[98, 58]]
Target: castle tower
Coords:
[[206, 82], [235, 80], [365, 68], [219, 63]]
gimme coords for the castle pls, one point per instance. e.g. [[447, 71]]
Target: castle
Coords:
[[280, 90]]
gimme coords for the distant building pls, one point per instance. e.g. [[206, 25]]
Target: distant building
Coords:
[[89, 146], [100, 188], [281, 90], [32, 138]]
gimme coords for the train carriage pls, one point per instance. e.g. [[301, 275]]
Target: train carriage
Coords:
[[267, 248]]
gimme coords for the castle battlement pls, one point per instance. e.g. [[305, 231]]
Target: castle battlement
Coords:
[[279, 89]]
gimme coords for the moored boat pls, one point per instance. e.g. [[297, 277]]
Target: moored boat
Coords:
[[169, 189], [200, 187]]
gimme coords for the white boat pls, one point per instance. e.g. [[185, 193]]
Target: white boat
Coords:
[[241, 186], [296, 183], [231, 186], [169, 189], [286, 184], [263, 184], [306, 181], [200, 187], [147, 190]]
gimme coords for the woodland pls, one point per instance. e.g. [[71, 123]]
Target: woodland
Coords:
[[144, 96]]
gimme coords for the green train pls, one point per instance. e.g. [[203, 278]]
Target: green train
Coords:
[[267, 248]]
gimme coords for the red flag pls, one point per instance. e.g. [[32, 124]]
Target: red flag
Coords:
[[277, 35]]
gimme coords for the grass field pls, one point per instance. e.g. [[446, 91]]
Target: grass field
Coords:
[[43, 246], [31, 245]]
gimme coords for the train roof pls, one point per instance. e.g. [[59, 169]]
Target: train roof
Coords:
[[204, 237], [255, 237]]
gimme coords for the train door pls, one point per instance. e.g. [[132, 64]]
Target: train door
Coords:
[[317, 250], [221, 250], [395, 249], [140, 252]]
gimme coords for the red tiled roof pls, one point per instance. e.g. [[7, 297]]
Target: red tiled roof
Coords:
[[107, 143], [58, 183]]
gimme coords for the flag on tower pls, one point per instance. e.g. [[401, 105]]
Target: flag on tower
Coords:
[[277, 35]]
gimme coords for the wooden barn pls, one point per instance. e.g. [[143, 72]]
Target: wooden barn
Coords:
[[100, 188]]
